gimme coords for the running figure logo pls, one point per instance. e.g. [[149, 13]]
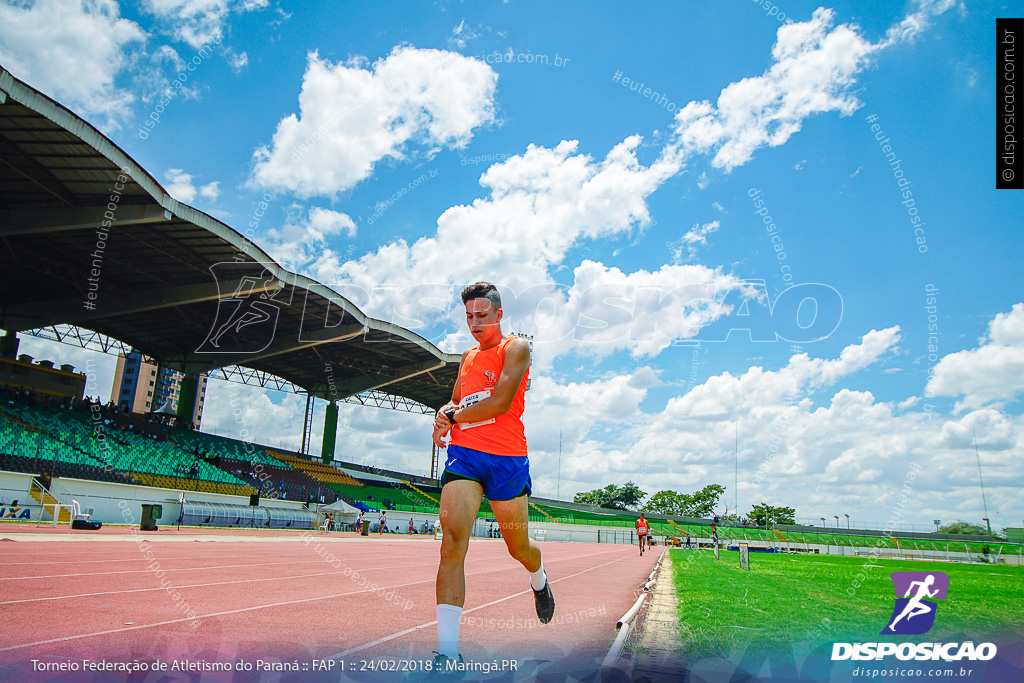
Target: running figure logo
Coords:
[[247, 310], [912, 615]]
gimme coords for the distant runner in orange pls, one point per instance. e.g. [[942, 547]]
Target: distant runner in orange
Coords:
[[643, 532]]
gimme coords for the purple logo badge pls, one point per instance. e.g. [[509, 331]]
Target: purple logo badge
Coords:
[[914, 612]]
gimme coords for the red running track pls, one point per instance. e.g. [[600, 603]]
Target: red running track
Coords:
[[251, 597]]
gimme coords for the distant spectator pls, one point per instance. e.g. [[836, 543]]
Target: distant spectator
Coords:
[[383, 521], [412, 529]]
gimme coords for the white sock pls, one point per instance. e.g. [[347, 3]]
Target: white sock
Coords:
[[448, 617], [538, 578]]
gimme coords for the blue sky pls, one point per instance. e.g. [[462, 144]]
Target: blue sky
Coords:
[[450, 142]]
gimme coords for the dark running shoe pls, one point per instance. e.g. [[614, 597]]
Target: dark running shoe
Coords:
[[545, 603]]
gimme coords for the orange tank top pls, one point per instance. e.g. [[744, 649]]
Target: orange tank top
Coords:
[[501, 435]]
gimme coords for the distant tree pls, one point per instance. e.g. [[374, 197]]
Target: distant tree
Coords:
[[961, 527], [625, 497], [700, 503], [762, 514], [665, 503], [704, 502]]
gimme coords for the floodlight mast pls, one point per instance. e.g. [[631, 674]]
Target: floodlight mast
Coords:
[[981, 482]]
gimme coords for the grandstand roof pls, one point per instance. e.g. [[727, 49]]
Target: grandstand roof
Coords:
[[175, 283]]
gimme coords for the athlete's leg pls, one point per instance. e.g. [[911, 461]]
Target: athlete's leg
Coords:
[[513, 520], [460, 501]]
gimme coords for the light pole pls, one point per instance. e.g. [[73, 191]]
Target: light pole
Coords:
[[937, 522], [988, 525], [847, 520], [837, 520]]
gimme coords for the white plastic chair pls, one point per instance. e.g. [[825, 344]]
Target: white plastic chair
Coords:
[[76, 511], [323, 527]]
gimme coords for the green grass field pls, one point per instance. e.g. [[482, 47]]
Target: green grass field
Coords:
[[804, 602]]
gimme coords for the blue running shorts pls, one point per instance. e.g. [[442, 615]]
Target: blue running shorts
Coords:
[[503, 477]]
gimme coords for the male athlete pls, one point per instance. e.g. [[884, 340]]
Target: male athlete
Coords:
[[486, 455], [642, 530]]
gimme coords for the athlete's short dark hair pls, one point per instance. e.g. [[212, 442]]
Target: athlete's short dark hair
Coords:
[[482, 290]]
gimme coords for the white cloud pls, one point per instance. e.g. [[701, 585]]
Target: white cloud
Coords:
[[461, 35], [989, 374], [210, 191], [694, 237], [199, 22], [237, 60], [608, 310], [301, 243], [849, 455], [181, 188], [726, 396], [799, 166], [908, 402], [169, 54], [913, 24], [815, 66], [814, 63], [541, 202], [72, 50], [352, 117]]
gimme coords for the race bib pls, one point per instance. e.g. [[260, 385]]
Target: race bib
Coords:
[[470, 400]]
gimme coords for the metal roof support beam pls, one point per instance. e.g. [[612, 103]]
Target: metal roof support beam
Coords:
[[213, 361], [18, 222], [72, 312], [378, 380]]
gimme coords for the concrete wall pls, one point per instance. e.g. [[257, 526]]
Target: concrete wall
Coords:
[[103, 498]]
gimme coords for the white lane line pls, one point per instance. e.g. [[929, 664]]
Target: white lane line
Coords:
[[474, 609], [65, 560], [275, 604], [202, 585], [167, 569]]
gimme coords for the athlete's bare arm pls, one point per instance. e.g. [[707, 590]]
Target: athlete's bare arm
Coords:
[[441, 424], [517, 362]]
